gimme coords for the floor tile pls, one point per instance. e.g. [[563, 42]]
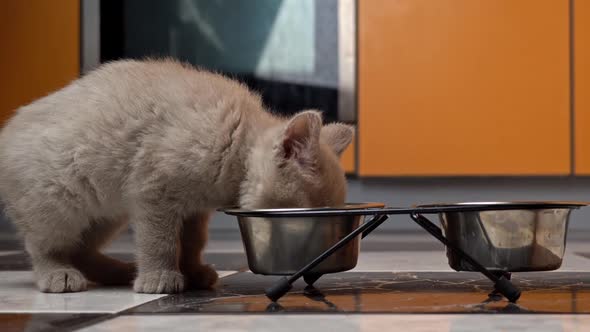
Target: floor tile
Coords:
[[19, 295], [369, 261], [223, 274], [404, 261], [400, 241], [48, 322], [346, 323], [401, 261], [386, 292], [398, 245], [19, 261], [585, 255], [574, 263], [225, 246]]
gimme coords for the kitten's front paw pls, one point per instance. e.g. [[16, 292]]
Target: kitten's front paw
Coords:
[[62, 281], [159, 282], [202, 277]]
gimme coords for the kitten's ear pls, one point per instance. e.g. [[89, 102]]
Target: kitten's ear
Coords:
[[302, 136], [338, 136]]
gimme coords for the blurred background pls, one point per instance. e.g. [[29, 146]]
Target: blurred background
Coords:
[[454, 100]]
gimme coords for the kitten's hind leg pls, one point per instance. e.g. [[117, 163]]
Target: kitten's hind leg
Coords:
[[105, 270], [51, 235], [52, 266], [193, 241], [96, 266]]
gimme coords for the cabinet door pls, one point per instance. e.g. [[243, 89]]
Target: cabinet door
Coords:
[[582, 86], [462, 87], [40, 49]]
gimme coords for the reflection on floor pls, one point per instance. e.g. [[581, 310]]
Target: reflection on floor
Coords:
[[399, 279], [387, 292]]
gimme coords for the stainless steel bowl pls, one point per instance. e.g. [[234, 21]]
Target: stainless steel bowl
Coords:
[[508, 236], [282, 244]]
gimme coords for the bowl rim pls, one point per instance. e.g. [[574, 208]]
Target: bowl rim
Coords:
[[286, 211], [508, 204], [363, 209]]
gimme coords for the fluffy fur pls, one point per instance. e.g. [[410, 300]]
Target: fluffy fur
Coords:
[[158, 144]]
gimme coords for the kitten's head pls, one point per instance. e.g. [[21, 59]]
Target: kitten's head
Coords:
[[297, 165]]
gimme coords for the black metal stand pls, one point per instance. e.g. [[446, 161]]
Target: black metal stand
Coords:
[[284, 284], [495, 295], [311, 278], [501, 279], [502, 284]]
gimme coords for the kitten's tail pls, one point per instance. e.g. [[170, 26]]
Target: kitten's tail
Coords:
[[105, 270]]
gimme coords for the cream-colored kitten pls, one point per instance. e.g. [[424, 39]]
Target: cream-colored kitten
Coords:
[[159, 144]]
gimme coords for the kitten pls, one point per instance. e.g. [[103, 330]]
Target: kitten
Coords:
[[158, 144]]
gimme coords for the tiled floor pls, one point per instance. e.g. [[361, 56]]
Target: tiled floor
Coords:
[[402, 280]]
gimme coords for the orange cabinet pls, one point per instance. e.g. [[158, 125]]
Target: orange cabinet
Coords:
[[462, 87], [40, 49], [582, 86]]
